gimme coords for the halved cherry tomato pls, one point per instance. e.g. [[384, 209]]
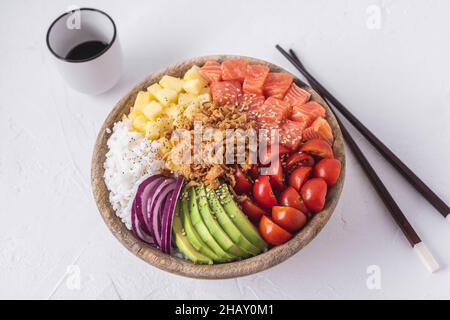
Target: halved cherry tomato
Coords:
[[273, 233], [243, 184], [263, 193], [276, 176], [288, 218], [299, 177], [291, 198], [299, 159], [253, 212], [329, 170], [253, 172], [318, 148], [266, 156], [314, 192]]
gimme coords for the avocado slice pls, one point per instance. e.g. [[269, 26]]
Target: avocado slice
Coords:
[[239, 218], [191, 233], [202, 230], [228, 226], [213, 226], [184, 244]]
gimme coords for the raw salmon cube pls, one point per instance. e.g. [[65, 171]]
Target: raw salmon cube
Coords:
[[274, 103], [296, 96], [255, 78], [319, 129], [277, 84], [234, 69], [303, 119], [226, 92], [299, 116], [211, 71], [269, 118], [291, 134], [250, 101], [307, 112], [273, 112]]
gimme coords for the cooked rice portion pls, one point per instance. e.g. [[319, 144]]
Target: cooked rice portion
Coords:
[[130, 159]]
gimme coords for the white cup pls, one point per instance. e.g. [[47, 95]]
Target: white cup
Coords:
[[94, 74]]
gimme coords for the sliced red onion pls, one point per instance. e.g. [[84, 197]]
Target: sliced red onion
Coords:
[[153, 192], [136, 227], [155, 208], [142, 195], [167, 216], [165, 212], [150, 194]]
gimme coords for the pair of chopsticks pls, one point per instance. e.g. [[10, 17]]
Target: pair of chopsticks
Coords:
[[409, 232]]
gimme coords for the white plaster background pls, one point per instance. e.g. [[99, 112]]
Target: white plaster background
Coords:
[[395, 79]]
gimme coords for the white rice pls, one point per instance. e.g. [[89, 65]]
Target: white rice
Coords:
[[130, 159]]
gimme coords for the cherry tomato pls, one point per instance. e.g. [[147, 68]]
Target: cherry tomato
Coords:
[[253, 172], [288, 218], [298, 177], [273, 233], [318, 148], [314, 192], [329, 170], [263, 193], [243, 184], [283, 150], [291, 198], [299, 159], [276, 176], [253, 212], [266, 156]]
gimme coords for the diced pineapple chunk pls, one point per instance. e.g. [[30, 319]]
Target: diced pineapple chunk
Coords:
[[192, 73], [153, 89], [187, 99], [164, 146], [205, 97], [139, 123], [190, 110], [172, 111], [166, 96], [134, 113], [152, 131], [164, 124], [152, 110], [173, 83], [142, 99], [194, 86]]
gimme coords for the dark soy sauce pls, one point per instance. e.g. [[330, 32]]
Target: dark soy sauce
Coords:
[[86, 50]]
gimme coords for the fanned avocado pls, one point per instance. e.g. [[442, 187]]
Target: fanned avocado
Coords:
[[191, 233], [213, 226], [202, 230], [184, 244], [239, 218], [228, 226]]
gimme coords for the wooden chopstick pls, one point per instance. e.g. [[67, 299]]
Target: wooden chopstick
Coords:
[[395, 161], [401, 220], [398, 215]]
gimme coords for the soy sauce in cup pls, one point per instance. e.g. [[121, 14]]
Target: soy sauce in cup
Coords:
[[86, 50]]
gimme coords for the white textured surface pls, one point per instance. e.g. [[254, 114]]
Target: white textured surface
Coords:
[[427, 258], [395, 79]]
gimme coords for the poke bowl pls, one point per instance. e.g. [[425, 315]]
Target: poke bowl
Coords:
[[223, 219]]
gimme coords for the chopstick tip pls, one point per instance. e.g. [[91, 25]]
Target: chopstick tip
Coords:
[[426, 257]]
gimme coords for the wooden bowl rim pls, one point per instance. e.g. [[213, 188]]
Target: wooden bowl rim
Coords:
[[180, 266]]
